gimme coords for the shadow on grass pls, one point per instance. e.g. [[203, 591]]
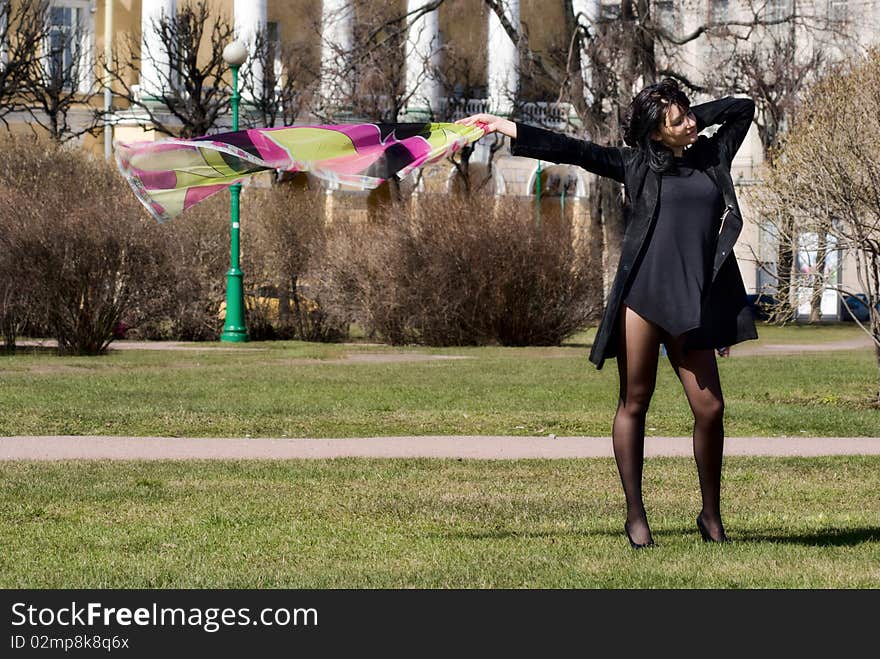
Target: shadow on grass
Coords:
[[29, 350], [823, 538], [826, 538], [501, 534]]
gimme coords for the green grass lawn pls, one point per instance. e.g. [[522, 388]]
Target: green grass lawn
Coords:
[[771, 334], [295, 389], [796, 523]]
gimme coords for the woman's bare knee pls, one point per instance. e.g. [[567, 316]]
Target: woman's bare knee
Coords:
[[636, 403], [709, 411]]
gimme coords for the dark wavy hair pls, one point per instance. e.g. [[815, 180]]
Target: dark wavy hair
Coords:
[[645, 114]]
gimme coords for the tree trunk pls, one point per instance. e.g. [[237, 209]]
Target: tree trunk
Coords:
[[606, 219], [818, 278], [785, 311]]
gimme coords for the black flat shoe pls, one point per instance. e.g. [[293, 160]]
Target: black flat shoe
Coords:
[[633, 543], [707, 537]]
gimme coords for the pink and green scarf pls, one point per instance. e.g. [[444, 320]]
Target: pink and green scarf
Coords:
[[172, 175]]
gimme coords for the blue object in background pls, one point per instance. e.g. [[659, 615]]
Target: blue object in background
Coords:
[[760, 305], [858, 305]]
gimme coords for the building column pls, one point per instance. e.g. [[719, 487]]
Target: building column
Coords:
[[155, 67], [4, 31], [336, 44], [250, 20], [108, 79], [694, 61], [422, 64], [586, 13], [503, 61]]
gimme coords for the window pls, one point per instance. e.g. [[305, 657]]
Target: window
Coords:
[[609, 12], [838, 10], [718, 10], [777, 10], [664, 13], [68, 51], [810, 271], [768, 245]]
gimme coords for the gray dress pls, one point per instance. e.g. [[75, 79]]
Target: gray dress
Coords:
[[671, 277]]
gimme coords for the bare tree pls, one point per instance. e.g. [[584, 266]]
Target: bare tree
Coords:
[[608, 59], [775, 72], [191, 91], [45, 69], [60, 85], [22, 34], [826, 176], [461, 82], [280, 87], [367, 81], [379, 92]]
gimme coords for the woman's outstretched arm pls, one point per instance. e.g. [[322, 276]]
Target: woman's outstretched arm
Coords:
[[534, 142], [735, 116], [492, 124]]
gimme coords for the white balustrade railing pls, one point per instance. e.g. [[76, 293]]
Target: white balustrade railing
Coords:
[[556, 116], [458, 108]]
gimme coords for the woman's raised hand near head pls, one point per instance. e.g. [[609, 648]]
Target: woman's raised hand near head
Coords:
[[491, 124]]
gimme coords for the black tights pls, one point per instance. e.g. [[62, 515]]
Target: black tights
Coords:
[[637, 358]]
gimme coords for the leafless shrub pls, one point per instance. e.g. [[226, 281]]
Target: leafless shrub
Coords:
[[192, 285], [81, 247], [79, 257], [14, 287], [459, 272], [284, 229]]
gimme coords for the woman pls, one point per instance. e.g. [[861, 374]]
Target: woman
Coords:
[[677, 280]]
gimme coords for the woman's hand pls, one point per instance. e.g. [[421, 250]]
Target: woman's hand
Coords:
[[491, 124]]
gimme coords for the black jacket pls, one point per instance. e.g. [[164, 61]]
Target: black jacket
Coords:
[[727, 311]]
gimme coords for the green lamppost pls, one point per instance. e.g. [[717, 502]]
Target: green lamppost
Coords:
[[538, 196], [234, 329]]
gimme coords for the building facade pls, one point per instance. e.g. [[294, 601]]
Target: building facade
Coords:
[[456, 59]]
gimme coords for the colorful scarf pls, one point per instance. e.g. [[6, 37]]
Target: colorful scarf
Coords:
[[172, 175]]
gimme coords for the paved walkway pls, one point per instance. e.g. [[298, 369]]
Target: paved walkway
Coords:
[[481, 447], [756, 348]]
